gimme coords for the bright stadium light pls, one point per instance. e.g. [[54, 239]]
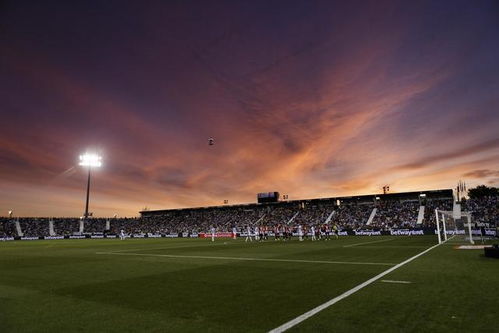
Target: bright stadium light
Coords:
[[89, 160]]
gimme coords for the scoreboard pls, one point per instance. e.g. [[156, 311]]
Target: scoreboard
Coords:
[[267, 197]]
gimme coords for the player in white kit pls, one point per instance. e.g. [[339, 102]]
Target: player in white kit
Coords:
[[213, 231], [234, 232], [122, 234], [248, 236], [313, 231], [300, 233], [257, 233]]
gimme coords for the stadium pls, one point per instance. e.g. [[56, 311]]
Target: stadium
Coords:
[[249, 166], [304, 265]]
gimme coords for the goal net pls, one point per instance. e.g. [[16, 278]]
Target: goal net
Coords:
[[454, 225]]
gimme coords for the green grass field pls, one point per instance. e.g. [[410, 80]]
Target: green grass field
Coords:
[[192, 285]]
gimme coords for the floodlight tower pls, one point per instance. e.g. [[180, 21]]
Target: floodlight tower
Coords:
[[90, 161]]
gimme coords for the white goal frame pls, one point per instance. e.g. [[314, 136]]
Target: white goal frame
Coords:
[[443, 214]]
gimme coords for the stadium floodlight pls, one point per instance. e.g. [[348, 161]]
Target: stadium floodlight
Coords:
[[89, 160]]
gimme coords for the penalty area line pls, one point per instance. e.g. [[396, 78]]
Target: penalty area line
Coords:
[[249, 259], [396, 281], [306, 315], [376, 241]]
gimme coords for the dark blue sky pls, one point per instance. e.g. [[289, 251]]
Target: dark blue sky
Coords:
[[309, 98]]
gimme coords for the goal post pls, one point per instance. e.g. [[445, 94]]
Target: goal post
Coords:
[[455, 226]]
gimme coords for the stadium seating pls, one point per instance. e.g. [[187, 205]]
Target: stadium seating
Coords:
[[484, 210], [389, 214]]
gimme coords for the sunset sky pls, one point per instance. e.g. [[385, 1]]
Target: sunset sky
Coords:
[[308, 98]]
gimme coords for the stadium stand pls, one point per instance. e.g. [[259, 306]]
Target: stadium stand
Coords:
[[352, 215], [397, 214], [394, 211], [484, 210]]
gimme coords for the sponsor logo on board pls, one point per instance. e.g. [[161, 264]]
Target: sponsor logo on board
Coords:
[[53, 237], [367, 233]]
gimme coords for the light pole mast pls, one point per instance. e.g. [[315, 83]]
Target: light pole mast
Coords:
[[85, 215], [89, 160]]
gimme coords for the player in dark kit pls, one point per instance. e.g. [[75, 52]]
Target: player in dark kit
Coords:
[[327, 232]]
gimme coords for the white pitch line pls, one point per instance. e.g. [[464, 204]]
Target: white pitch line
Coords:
[[395, 281], [162, 247], [347, 293], [250, 259], [394, 247], [377, 241]]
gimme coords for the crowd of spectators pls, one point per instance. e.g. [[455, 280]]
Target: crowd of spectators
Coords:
[[34, 227], [390, 214], [66, 226], [353, 216], [96, 225], [314, 214], [484, 210], [7, 227], [279, 215], [396, 214], [431, 205], [200, 220]]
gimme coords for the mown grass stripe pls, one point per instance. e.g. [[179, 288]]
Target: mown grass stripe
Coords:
[[249, 259]]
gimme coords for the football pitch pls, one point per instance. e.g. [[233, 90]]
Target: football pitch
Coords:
[[193, 285]]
